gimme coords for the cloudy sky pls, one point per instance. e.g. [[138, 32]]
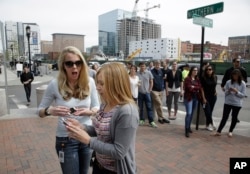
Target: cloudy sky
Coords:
[[81, 17]]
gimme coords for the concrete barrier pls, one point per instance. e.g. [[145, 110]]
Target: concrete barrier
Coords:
[[39, 93], [3, 104]]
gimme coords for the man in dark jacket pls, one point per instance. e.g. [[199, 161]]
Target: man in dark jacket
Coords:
[[157, 91], [26, 79], [227, 74]]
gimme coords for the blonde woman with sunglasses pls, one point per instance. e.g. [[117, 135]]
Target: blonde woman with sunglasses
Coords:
[[75, 96]]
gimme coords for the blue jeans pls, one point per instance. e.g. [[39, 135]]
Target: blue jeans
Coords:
[[190, 108], [148, 103], [76, 155]]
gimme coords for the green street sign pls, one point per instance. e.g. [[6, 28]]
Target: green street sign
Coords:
[[205, 22], [206, 10]]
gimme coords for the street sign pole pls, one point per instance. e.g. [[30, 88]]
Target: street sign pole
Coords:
[[200, 72]]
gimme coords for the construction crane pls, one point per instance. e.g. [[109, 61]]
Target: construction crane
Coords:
[[133, 54], [134, 13], [149, 8]]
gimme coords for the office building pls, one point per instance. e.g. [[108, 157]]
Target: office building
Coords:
[[156, 48], [62, 40], [107, 29], [46, 47], [136, 29], [15, 33]]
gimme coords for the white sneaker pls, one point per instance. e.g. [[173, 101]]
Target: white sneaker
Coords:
[[209, 128], [230, 134]]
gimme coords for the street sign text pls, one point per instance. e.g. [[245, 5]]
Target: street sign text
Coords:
[[206, 10]]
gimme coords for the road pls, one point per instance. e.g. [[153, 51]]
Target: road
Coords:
[[17, 100]]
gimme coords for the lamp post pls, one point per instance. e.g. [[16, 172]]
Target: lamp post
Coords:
[[28, 37], [12, 63]]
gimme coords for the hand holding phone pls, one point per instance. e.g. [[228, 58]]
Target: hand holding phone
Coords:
[[65, 121]]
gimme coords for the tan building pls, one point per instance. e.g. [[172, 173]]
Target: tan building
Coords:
[[239, 46], [217, 50], [186, 47], [62, 40], [46, 47]]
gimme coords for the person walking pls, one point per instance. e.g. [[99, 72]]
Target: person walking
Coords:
[[75, 96], [26, 79], [185, 71], [235, 91], [113, 134], [157, 91], [134, 82], [174, 89], [193, 92], [209, 82], [145, 89]]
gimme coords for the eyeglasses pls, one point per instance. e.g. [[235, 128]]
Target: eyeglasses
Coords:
[[70, 64], [209, 69]]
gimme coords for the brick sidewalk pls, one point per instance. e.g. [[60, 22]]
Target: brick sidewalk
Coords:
[[27, 147]]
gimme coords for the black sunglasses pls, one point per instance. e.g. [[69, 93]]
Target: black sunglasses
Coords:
[[70, 64]]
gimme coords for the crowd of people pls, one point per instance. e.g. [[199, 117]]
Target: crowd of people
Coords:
[[102, 128]]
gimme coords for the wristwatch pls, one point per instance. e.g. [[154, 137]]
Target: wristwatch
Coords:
[[46, 111]]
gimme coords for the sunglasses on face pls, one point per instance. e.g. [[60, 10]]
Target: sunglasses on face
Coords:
[[70, 64], [209, 69]]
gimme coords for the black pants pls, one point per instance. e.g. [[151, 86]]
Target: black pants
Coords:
[[27, 89], [98, 169], [226, 111], [208, 110]]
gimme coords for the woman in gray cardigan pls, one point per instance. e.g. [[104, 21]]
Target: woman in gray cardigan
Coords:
[[113, 133]]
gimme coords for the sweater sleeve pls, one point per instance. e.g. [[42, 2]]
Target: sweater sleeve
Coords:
[[94, 95], [124, 127], [48, 96]]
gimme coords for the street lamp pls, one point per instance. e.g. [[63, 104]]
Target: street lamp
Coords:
[[28, 37], [12, 63]]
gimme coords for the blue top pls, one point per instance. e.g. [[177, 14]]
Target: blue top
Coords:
[[158, 80], [52, 95], [232, 98]]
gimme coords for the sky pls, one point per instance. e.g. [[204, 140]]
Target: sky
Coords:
[[81, 17]]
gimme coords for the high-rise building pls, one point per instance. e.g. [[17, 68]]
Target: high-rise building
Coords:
[[108, 41], [156, 48], [239, 46], [136, 29], [15, 33], [1, 38]]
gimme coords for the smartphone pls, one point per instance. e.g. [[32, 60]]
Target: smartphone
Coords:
[[72, 110], [64, 121]]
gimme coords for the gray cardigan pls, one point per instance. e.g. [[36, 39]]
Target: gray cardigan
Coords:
[[123, 126]]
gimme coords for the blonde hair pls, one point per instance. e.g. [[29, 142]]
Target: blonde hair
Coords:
[[81, 90], [116, 83]]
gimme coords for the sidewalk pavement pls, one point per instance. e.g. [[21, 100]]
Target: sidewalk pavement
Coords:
[[13, 80], [28, 146]]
